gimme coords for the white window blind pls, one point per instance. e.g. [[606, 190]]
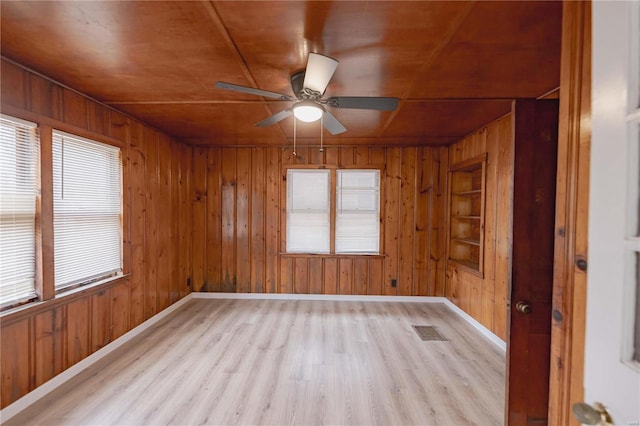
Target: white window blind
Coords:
[[308, 211], [357, 211], [86, 210], [19, 177]]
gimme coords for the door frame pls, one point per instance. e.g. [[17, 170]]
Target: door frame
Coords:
[[571, 228]]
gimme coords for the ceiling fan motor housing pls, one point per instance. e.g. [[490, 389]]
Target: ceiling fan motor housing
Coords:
[[297, 85]]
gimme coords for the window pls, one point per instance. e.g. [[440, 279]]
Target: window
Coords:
[[308, 220], [357, 216], [19, 165], [333, 211], [86, 210]]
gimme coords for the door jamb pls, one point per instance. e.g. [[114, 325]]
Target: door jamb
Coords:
[[572, 200]]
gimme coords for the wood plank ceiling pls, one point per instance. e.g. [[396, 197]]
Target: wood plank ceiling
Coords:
[[454, 65]]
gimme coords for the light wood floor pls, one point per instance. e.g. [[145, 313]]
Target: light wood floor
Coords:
[[289, 362]]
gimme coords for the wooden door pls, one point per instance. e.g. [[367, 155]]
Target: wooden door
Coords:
[[534, 182]]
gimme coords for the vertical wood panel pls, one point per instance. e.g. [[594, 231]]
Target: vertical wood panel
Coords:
[[272, 218], [316, 277], [199, 214], [345, 279], [243, 221], [407, 221], [487, 298], [346, 156], [438, 256], [375, 286], [41, 95], [75, 109], [331, 155], [392, 219], [316, 156], [119, 310], [137, 214], [360, 275], [15, 377], [186, 153], [174, 239], [331, 276], [98, 118], [229, 277], [165, 250], [77, 331], [257, 234], [287, 158], [300, 275], [118, 125], [151, 223], [48, 345], [504, 202], [362, 156], [100, 311], [14, 85], [377, 156], [286, 275], [213, 225], [422, 247]]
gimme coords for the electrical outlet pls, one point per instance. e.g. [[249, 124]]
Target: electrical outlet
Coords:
[[394, 282]]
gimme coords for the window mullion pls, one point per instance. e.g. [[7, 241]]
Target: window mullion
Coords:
[[333, 188], [45, 287]]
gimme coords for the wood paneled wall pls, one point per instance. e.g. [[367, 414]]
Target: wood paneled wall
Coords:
[[43, 339], [485, 298], [239, 235]]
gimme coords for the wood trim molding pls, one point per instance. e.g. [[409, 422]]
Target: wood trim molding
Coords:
[[43, 120], [572, 198], [31, 309], [44, 241]]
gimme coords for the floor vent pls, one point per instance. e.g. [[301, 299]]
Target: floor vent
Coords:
[[429, 333]]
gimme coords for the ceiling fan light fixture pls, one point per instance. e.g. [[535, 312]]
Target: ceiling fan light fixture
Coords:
[[308, 111]]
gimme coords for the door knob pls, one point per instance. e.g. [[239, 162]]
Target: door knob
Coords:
[[595, 414], [523, 307]]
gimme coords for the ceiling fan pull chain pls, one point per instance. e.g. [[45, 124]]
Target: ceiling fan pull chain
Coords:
[[321, 132], [294, 136]]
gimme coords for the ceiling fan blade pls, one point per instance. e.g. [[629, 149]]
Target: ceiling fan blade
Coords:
[[319, 71], [279, 116], [252, 91], [363, 102], [332, 124]]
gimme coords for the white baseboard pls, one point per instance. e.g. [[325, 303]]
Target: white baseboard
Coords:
[[336, 297], [474, 323], [41, 391], [20, 404]]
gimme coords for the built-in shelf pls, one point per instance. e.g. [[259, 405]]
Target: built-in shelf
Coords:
[[466, 213], [471, 192], [467, 241]]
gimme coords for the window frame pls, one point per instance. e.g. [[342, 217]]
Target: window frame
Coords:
[[62, 288], [333, 208], [36, 210], [44, 279]]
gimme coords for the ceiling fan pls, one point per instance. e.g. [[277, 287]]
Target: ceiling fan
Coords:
[[308, 87]]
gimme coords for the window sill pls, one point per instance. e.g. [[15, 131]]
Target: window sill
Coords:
[[330, 255], [29, 309]]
